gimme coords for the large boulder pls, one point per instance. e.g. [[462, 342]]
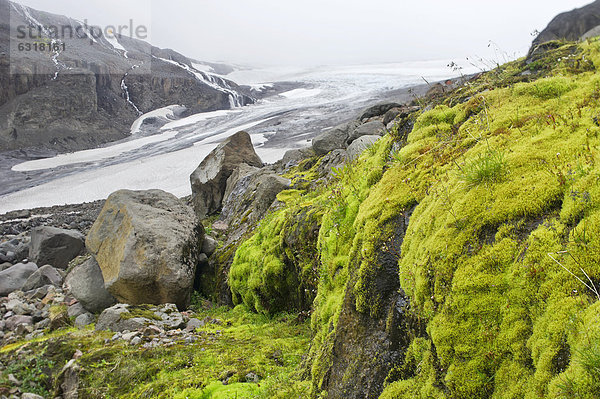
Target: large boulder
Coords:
[[295, 156], [54, 246], [359, 145], [333, 139], [13, 278], [147, 244], [86, 284], [373, 128], [571, 25], [209, 180]]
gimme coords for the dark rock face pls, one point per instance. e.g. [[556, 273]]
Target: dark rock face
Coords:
[[56, 247], [367, 347], [571, 25], [147, 244], [92, 93], [209, 180]]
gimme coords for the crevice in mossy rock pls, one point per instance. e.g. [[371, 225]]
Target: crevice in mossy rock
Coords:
[[367, 345], [561, 360]]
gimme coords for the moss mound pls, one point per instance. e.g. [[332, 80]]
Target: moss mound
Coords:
[[499, 262]]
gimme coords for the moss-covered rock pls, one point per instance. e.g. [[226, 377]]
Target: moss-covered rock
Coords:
[[497, 269]]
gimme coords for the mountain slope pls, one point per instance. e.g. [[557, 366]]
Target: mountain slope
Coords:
[[457, 258], [92, 87], [571, 25]]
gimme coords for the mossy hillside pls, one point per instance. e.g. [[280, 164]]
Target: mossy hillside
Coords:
[[242, 342], [503, 319]]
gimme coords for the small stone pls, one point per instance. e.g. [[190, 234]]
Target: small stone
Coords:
[[43, 324], [136, 341], [84, 319], [13, 380], [76, 310], [209, 246], [14, 321], [129, 336], [31, 396], [77, 354], [190, 340], [193, 324], [252, 377]]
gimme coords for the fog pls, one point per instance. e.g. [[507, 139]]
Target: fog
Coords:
[[316, 32]]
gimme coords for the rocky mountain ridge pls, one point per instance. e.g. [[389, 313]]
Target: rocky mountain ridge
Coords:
[[92, 88]]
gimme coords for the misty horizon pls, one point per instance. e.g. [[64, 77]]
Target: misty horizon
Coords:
[[265, 33]]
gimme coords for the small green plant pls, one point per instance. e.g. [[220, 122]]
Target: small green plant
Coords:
[[489, 167]]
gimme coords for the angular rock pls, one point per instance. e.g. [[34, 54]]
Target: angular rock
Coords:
[[84, 319], [86, 284], [209, 246], [110, 319], [294, 157], [56, 247], [359, 145], [242, 171], [332, 139], [13, 278], [76, 310], [147, 244], [253, 196], [14, 321], [45, 275], [209, 180], [378, 110], [332, 160], [374, 128], [31, 396]]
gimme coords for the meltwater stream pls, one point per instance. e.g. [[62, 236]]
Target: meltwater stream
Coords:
[[165, 159]]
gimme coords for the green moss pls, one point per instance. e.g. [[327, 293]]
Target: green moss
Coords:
[[140, 311], [270, 347]]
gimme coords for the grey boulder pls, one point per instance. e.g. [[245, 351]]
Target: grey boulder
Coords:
[[252, 197], [56, 247], [84, 319], [359, 145], [295, 156], [378, 110], [373, 128], [111, 319], [13, 278], [147, 244], [209, 180], [45, 275], [86, 284], [332, 139]]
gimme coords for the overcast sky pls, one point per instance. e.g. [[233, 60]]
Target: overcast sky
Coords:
[[314, 32]]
